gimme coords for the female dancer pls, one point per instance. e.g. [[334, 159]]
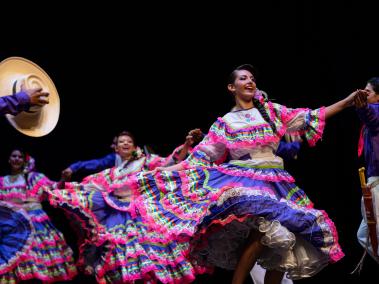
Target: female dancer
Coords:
[[47, 258], [120, 246], [248, 209]]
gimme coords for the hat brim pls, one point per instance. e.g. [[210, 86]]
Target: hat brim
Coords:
[[38, 121]]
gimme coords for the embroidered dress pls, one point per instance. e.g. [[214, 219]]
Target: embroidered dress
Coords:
[[45, 254], [123, 246], [217, 205]]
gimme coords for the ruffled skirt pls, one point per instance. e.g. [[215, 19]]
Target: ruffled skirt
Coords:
[[213, 210], [217, 208], [46, 256], [16, 234], [120, 245]]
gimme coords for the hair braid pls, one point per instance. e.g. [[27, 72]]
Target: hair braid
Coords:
[[264, 113]]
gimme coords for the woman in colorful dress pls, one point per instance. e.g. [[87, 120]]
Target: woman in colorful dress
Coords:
[[120, 246], [248, 209], [47, 256]]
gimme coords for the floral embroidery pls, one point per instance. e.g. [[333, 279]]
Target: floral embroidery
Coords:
[[248, 117]]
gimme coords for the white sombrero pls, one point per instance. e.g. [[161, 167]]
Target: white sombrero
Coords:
[[37, 121]]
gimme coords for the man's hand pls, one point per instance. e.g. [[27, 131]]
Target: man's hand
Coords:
[[37, 97]]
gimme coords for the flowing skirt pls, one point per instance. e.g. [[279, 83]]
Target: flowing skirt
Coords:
[[48, 258], [217, 208], [16, 234], [120, 245], [205, 215]]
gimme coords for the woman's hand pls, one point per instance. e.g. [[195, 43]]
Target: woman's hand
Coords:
[[357, 97], [66, 174], [194, 136], [346, 102], [360, 99]]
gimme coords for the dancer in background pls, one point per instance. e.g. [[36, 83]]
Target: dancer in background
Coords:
[[367, 106], [114, 159], [120, 245], [48, 258]]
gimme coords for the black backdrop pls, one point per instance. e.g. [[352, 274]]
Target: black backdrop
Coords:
[[161, 74]]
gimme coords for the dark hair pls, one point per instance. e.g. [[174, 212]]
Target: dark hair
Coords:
[[256, 102], [126, 133], [248, 67], [374, 82], [22, 151]]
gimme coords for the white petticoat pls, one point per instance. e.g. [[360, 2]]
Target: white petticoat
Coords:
[[284, 251]]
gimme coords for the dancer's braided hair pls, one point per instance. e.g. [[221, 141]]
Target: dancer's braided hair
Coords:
[[264, 113]]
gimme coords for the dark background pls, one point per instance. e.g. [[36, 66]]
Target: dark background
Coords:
[[160, 74]]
